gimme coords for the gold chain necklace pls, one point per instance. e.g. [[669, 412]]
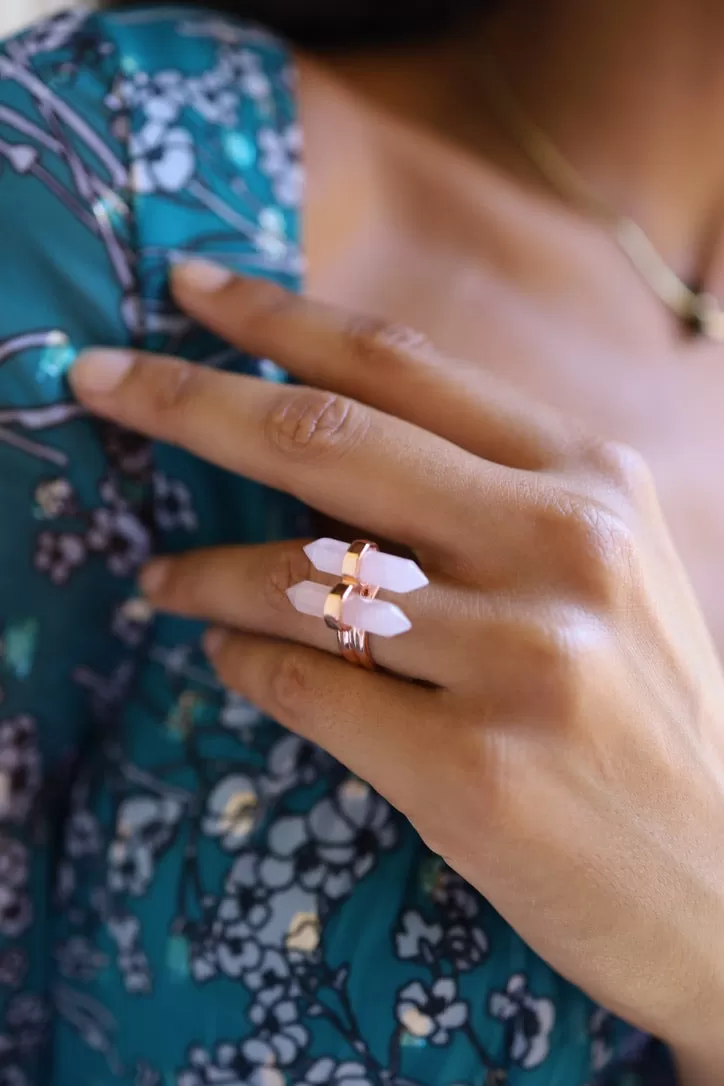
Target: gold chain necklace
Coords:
[[698, 311]]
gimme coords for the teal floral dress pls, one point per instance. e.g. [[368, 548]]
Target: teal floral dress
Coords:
[[189, 895]]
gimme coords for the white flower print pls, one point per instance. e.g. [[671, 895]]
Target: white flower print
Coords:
[[20, 768], [243, 913], [13, 863], [13, 967], [131, 621], [269, 978], [27, 1020], [271, 240], [172, 503], [254, 82], [132, 961], [281, 162], [59, 555], [327, 1072], [78, 959], [144, 826], [431, 1012], [163, 159], [293, 761], [202, 956], [245, 895], [530, 1021], [55, 498], [231, 1066], [334, 846], [118, 534], [466, 946], [280, 1037], [237, 713], [455, 896], [417, 940], [82, 834], [463, 944], [159, 98], [601, 1031], [15, 907], [236, 951], [147, 1076], [232, 811]]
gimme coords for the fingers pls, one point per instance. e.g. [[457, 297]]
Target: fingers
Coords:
[[245, 588], [385, 365], [339, 456], [391, 734]]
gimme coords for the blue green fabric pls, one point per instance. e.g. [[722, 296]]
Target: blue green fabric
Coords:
[[190, 896]]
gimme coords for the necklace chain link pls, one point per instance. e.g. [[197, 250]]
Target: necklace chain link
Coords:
[[698, 311]]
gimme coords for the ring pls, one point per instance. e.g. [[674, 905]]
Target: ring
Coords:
[[352, 608], [353, 642], [352, 566]]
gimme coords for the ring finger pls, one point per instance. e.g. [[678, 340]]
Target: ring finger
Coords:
[[246, 588]]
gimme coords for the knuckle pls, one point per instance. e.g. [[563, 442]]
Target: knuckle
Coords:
[[262, 300], [289, 687], [596, 545], [171, 389], [316, 425], [288, 569], [383, 344], [622, 466], [560, 667]]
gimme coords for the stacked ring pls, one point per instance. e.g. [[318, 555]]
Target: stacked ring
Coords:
[[353, 642], [352, 608]]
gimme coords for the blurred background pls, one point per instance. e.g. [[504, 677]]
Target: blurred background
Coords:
[[16, 13]]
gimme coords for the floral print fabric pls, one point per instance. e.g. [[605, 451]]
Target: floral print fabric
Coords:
[[190, 896]]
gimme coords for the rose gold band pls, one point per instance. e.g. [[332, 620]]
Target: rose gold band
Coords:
[[353, 642], [352, 565]]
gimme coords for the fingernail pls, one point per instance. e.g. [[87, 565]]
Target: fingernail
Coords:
[[202, 275], [153, 577], [100, 370], [214, 641]]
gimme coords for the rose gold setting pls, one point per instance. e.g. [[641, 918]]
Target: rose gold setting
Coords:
[[333, 605], [352, 565], [353, 642]]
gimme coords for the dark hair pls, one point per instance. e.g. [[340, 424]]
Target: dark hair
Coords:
[[346, 23]]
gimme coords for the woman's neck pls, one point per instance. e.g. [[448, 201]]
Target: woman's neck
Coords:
[[632, 94]]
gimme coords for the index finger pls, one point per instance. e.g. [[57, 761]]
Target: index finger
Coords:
[[341, 457]]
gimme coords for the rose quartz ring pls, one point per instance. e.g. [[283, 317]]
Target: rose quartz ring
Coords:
[[352, 607]]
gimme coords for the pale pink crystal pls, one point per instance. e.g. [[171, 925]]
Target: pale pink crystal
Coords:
[[377, 568], [374, 616]]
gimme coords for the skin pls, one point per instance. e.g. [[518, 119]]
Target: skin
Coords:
[[599, 781], [548, 555]]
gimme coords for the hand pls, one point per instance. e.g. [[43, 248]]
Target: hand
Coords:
[[568, 758]]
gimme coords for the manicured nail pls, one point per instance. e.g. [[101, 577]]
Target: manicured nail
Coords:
[[214, 641], [202, 275], [153, 577], [100, 370]]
